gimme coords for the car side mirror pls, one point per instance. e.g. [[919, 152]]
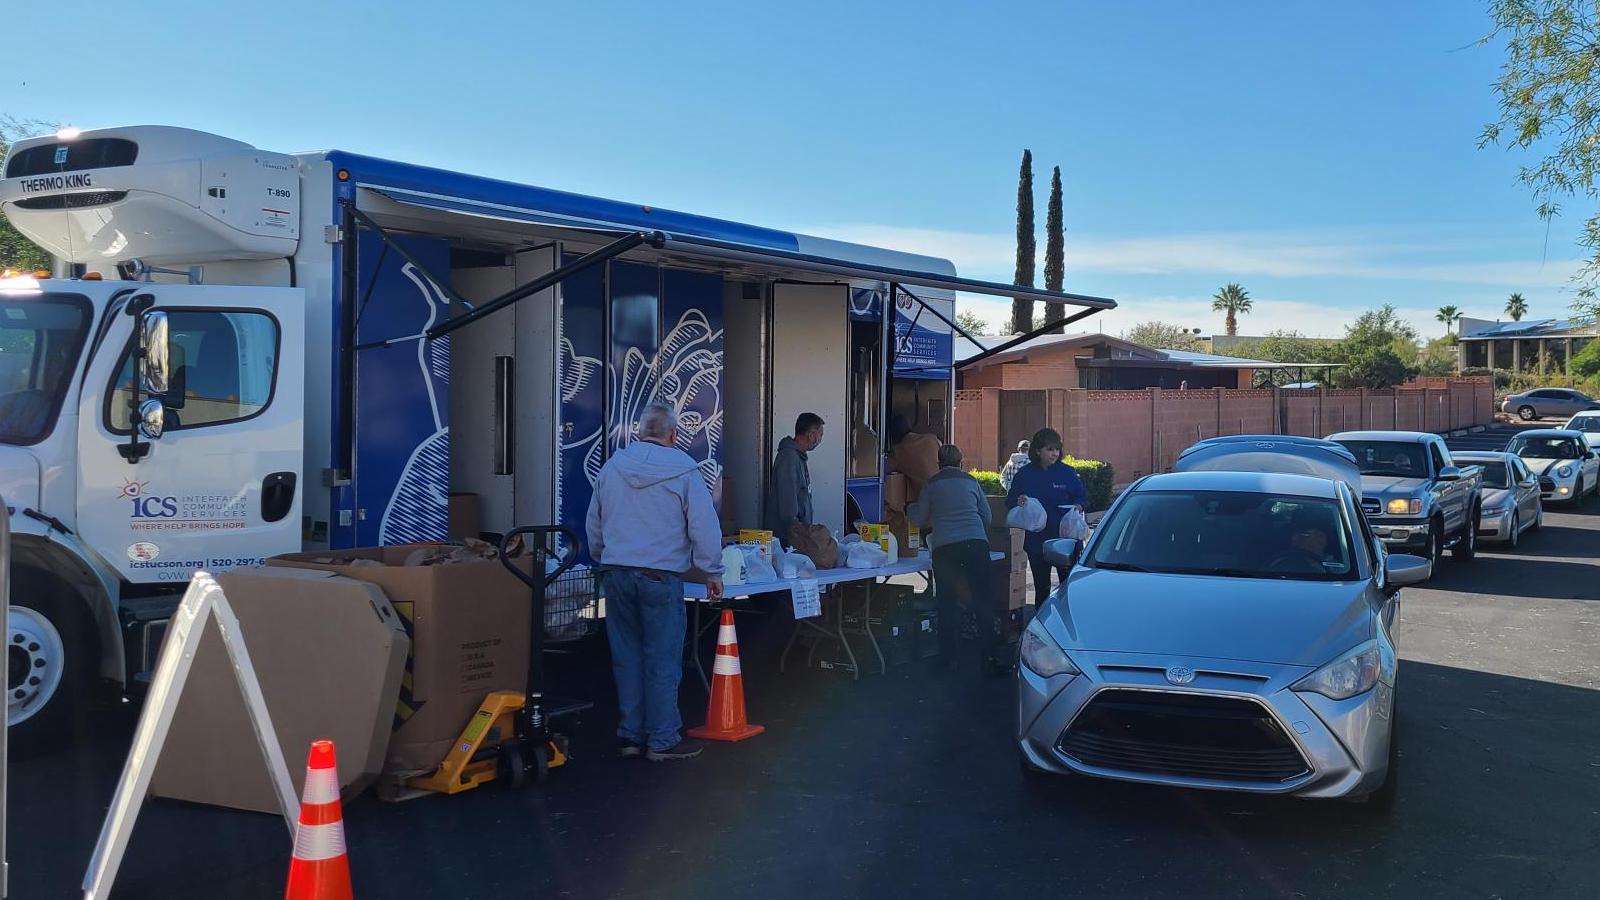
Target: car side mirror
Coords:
[[1062, 552], [1449, 473], [1401, 569]]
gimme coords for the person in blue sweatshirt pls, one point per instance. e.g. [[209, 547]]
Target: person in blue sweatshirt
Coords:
[[1056, 486]]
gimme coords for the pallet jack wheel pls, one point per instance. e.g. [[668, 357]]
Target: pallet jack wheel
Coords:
[[513, 768], [541, 764]]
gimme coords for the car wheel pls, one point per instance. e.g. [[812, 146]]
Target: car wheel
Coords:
[[1467, 548], [1515, 536], [1527, 413]]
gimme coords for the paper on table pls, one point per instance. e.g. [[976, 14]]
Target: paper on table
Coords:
[[807, 598]]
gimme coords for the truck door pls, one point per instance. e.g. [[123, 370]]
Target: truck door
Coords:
[[221, 487]]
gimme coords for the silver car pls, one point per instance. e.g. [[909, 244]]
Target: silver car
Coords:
[[1220, 630], [1588, 423], [1509, 502], [1547, 402]]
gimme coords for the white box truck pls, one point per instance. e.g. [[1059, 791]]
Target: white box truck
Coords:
[[243, 353]]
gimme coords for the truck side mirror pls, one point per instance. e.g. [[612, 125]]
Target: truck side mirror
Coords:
[[154, 345], [152, 419], [1449, 473]]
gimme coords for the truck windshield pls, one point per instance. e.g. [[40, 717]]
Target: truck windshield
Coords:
[[40, 337], [1404, 460], [1544, 447], [1232, 534]]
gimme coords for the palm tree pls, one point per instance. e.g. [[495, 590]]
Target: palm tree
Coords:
[[1449, 315], [1232, 300], [1516, 307]]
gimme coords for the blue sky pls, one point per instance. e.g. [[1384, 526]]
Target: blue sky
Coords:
[[1323, 155]]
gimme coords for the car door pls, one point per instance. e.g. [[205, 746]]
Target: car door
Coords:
[[1588, 460], [1546, 403], [220, 487], [1525, 490]]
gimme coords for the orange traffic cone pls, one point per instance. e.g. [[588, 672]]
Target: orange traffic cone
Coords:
[[725, 719], [320, 870]]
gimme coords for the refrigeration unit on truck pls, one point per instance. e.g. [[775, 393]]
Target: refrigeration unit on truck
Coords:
[[245, 353]]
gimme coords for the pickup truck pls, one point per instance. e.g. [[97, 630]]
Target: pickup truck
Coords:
[[1414, 495]]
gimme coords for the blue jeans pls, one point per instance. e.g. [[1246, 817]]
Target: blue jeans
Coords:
[[645, 622]]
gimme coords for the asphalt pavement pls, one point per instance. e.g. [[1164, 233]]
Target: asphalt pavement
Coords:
[[907, 785]]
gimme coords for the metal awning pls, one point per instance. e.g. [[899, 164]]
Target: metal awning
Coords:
[[706, 247]]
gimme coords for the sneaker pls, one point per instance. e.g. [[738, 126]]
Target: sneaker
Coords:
[[684, 749], [630, 750]]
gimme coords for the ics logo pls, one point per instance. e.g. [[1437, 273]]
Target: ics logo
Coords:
[[146, 506]]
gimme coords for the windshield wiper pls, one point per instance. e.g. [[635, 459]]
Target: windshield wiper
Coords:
[[1227, 572], [1120, 567]]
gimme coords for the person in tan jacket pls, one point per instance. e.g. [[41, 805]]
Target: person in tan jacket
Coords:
[[914, 455]]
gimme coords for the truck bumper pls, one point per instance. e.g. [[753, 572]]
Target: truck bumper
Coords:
[[1403, 536]]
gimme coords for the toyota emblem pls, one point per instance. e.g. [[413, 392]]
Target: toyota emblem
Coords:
[[1180, 675]]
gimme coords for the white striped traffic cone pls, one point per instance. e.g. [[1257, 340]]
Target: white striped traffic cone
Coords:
[[725, 719], [320, 869]]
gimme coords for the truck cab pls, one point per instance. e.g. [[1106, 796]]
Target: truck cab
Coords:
[[146, 430], [1417, 499]]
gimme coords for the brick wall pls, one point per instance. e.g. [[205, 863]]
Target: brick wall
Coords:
[[976, 427], [1041, 377]]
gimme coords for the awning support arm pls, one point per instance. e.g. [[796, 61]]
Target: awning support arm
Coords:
[[389, 241], [1046, 328], [939, 315], [556, 276]]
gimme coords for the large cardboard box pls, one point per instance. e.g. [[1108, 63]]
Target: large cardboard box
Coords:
[[895, 491], [329, 653], [469, 633]]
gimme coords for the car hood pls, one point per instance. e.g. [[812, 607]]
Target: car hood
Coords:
[[1386, 487], [1544, 466], [19, 477], [1302, 623]]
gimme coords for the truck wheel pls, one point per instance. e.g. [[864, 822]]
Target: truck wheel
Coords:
[[1467, 548], [1527, 413], [1436, 542], [51, 658]]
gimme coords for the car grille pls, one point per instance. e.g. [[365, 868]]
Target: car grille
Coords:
[[1186, 735], [1371, 507]]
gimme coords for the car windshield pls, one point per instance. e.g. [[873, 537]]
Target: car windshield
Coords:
[[40, 337], [1494, 474], [1544, 447], [1589, 424], [1403, 459], [1227, 533]]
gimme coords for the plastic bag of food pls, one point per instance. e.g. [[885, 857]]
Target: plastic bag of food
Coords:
[[1074, 525], [862, 555], [1029, 516], [756, 567], [796, 565]]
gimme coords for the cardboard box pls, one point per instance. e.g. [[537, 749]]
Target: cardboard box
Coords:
[[465, 516], [908, 539], [329, 653], [1008, 587], [469, 631]]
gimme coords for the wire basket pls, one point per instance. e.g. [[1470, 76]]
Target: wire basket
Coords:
[[571, 606]]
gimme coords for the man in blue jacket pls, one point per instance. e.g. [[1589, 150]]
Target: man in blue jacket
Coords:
[[1056, 486]]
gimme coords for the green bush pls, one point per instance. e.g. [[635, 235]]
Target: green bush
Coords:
[[1096, 477]]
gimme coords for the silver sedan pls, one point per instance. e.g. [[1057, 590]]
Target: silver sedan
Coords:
[[1220, 630], [1509, 501]]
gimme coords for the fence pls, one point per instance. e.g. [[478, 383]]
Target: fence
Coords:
[[1139, 432]]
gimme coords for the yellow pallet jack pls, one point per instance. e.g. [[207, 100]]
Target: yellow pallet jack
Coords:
[[509, 737]]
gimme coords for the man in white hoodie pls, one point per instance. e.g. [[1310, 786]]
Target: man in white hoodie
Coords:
[[651, 520]]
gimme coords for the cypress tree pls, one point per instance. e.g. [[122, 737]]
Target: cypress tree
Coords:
[[1054, 264], [1022, 307]]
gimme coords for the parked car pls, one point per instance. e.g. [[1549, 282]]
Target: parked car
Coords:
[[1416, 496], [1588, 423], [1547, 403], [1567, 465], [1221, 630], [1509, 501]]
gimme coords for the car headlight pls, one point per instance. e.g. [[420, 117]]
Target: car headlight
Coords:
[[1404, 507], [1040, 652], [1564, 472], [1354, 673], [1500, 510]]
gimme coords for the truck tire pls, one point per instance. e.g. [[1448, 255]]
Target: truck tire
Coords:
[[1436, 542], [1467, 547], [52, 654]]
